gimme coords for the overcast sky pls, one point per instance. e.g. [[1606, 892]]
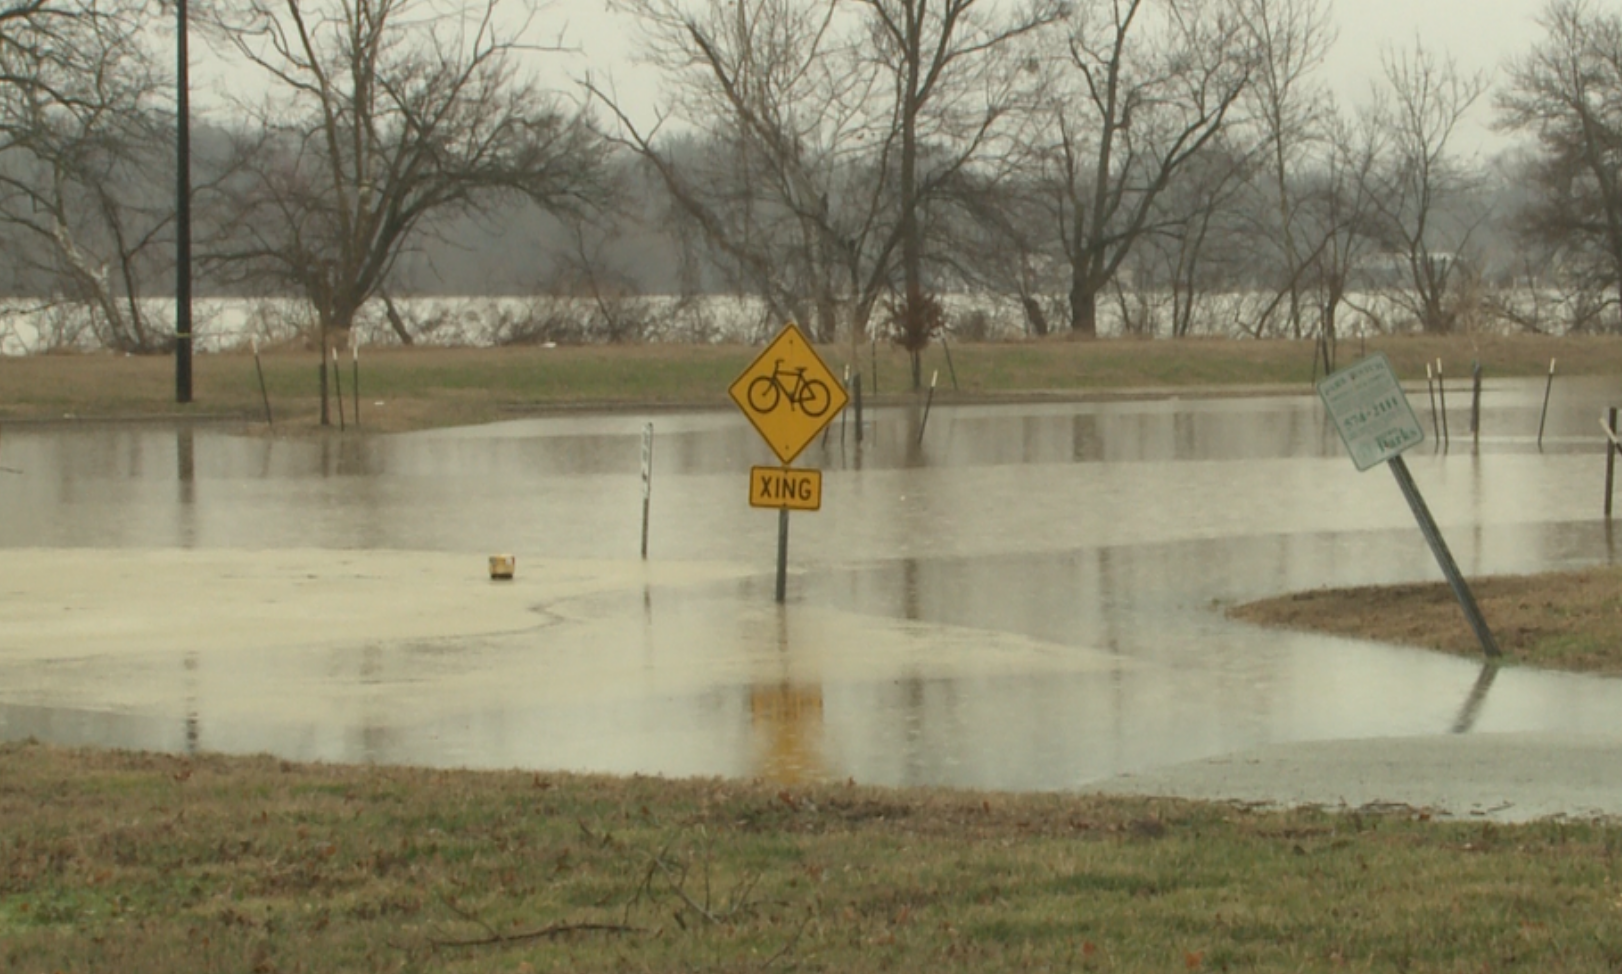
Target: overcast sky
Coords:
[[1478, 34]]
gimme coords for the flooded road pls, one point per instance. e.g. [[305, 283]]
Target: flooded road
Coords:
[[1029, 598]]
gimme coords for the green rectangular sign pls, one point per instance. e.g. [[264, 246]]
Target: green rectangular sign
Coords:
[[1370, 411]]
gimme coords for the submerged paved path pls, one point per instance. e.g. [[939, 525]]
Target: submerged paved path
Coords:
[[1505, 777]]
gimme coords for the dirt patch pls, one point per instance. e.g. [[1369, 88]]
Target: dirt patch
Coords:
[[1562, 620]]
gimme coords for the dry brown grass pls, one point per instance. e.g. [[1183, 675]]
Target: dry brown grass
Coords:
[[421, 387], [1561, 620]]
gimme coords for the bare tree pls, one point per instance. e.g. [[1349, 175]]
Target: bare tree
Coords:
[[387, 114], [1567, 92], [950, 92], [779, 179], [1426, 214], [1151, 84], [84, 161], [1200, 219], [836, 127], [1291, 38], [1001, 243], [1339, 219]]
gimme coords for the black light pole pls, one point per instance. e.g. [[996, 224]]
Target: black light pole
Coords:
[[182, 213]]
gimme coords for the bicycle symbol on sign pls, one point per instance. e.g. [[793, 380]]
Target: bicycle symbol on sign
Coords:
[[809, 396]]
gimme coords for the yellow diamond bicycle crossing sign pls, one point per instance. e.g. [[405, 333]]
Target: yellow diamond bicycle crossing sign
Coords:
[[788, 394]]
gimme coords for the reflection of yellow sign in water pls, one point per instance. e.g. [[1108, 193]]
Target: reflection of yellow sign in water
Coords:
[[797, 490], [788, 393], [789, 718]]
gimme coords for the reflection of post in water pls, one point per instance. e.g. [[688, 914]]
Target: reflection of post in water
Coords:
[[344, 457], [1108, 599], [185, 461], [1478, 519], [1466, 721], [186, 472], [1185, 436], [194, 730], [910, 609], [374, 729], [647, 625], [913, 457], [1085, 441]]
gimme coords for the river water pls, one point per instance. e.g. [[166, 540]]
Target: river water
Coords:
[[1007, 596]]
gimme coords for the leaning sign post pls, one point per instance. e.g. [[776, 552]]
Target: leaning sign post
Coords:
[[789, 395], [1376, 423]]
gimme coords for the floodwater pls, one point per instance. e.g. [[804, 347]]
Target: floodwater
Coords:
[[1010, 596]]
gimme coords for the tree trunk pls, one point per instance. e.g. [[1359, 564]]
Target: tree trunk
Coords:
[[912, 249], [827, 328], [1435, 319], [321, 351], [1327, 331], [1035, 317], [396, 322], [1083, 309]]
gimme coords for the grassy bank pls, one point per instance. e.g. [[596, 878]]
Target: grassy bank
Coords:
[[141, 863], [407, 388], [1560, 620]]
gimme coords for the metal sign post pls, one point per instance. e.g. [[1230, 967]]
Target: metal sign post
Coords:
[[1377, 424], [647, 483], [782, 554], [1455, 578], [1543, 417]]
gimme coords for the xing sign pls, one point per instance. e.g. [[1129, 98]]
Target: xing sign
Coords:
[[1370, 411], [788, 394], [782, 487]]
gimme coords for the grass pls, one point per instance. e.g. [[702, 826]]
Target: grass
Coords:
[[135, 862], [1559, 620], [409, 388]]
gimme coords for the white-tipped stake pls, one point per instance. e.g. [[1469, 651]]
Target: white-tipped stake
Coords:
[[928, 401], [844, 414], [1430, 390], [354, 353], [260, 369], [1543, 417], [338, 385], [1441, 395]]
